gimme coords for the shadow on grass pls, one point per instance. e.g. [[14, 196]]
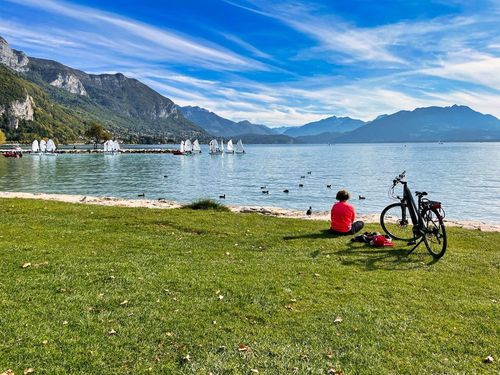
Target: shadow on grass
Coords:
[[368, 257], [324, 233], [383, 258]]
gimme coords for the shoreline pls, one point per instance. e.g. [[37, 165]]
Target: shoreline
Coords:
[[262, 210]]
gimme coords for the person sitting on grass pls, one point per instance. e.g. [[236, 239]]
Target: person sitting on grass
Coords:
[[343, 215]]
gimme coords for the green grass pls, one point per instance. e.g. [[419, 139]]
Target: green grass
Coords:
[[206, 204], [283, 282]]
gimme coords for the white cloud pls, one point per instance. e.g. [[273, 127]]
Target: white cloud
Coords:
[[165, 44], [484, 70]]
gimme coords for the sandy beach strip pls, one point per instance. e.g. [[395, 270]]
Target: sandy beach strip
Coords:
[[263, 210]]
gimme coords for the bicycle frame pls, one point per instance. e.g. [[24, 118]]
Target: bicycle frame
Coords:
[[408, 202]]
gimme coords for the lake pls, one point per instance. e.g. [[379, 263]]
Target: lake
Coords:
[[465, 177]]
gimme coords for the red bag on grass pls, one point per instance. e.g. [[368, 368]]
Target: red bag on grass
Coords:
[[381, 241]]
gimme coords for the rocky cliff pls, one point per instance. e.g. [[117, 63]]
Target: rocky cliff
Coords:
[[69, 83], [13, 59], [18, 110], [26, 112]]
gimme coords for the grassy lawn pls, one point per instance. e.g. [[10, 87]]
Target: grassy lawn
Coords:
[[118, 290]]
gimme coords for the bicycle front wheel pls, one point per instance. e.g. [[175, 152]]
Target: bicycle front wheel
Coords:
[[395, 221], [435, 236]]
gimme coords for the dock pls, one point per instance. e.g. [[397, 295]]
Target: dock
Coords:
[[122, 151]]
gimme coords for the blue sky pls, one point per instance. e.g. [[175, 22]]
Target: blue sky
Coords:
[[284, 62]]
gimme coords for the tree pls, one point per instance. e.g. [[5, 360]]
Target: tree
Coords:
[[97, 134], [2, 138]]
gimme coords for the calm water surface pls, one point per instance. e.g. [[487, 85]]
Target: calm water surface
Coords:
[[464, 176]]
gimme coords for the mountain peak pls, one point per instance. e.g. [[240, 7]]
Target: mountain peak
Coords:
[[13, 59]]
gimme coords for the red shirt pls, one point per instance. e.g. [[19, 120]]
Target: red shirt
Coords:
[[343, 216]]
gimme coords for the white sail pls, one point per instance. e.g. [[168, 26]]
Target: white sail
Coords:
[[196, 147], [181, 147], [239, 147], [106, 146], [43, 146], [188, 146], [221, 146], [116, 146], [51, 147], [230, 147], [213, 146], [34, 146]]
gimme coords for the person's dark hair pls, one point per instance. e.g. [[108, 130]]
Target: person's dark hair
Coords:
[[343, 195]]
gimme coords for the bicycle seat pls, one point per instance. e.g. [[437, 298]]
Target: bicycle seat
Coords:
[[420, 193]]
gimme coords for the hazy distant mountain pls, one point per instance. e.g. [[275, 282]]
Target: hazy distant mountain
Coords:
[[220, 126], [322, 138], [282, 129], [328, 125], [126, 106], [268, 139], [430, 124]]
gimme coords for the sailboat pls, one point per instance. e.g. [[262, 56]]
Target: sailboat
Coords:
[[51, 147], [181, 149], [43, 146], [239, 147], [213, 147], [35, 148], [188, 147], [107, 146], [196, 147], [230, 147], [221, 146], [111, 146]]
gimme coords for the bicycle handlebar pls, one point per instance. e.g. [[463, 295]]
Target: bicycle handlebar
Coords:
[[398, 178]]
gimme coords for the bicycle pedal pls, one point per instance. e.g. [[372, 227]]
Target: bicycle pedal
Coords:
[[412, 242]]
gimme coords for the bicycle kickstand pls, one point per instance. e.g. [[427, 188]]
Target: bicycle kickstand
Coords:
[[416, 245]]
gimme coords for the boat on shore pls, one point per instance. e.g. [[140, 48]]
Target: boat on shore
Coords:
[[50, 148], [35, 147], [111, 146]]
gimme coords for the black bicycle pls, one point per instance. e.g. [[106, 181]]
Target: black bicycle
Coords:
[[415, 223]]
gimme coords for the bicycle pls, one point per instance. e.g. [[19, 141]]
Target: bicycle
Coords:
[[407, 221]]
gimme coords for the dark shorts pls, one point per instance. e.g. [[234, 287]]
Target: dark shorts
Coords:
[[355, 228]]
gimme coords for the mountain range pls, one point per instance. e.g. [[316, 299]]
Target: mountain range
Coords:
[[328, 125], [40, 97], [430, 124], [222, 127], [125, 106]]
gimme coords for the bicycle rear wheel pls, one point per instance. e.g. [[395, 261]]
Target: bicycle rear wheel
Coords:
[[435, 236], [395, 221]]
